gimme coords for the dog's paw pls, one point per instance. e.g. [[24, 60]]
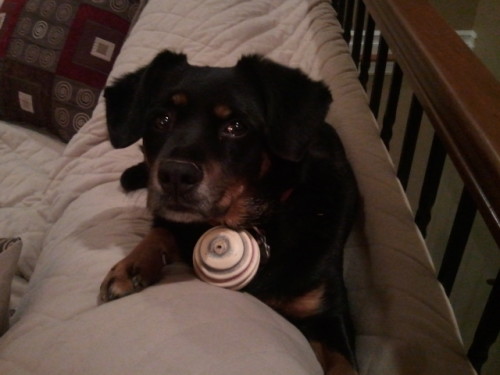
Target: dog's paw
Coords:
[[123, 279]]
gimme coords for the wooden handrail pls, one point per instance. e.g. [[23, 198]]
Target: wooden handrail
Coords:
[[459, 94]]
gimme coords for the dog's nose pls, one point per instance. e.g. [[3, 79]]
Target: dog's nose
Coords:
[[179, 175]]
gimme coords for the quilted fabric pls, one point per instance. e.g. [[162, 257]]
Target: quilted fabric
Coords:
[[183, 326], [10, 249], [55, 58], [28, 159]]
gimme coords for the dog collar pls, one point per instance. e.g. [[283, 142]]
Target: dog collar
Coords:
[[265, 249]]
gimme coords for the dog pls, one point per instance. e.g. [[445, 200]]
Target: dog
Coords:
[[244, 147]]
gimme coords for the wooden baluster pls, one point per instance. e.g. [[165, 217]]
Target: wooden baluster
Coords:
[[340, 8], [430, 184], [410, 141], [366, 58], [487, 329], [358, 33], [392, 105], [459, 235], [349, 12], [378, 79]]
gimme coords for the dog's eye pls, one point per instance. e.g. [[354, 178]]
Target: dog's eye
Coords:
[[163, 122], [234, 129]]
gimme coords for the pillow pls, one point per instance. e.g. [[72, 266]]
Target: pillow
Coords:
[[55, 57], [10, 249]]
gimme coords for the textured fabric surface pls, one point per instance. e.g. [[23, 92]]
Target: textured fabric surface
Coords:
[[55, 57], [10, 249], [182, 326], [28, 159]]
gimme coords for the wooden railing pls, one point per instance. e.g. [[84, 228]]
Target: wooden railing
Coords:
[[461, 98]]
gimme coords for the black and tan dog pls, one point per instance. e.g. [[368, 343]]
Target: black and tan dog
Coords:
[[244, 147]]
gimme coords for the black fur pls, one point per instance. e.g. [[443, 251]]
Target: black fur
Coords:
[[135, 177], [300, 187]]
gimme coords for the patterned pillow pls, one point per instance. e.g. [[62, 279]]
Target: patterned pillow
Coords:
[[55, 56]]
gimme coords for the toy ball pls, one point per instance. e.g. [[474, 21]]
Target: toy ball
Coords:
[[226, 258]]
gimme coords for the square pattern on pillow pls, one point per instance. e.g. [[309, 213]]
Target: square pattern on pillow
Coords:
[[55, 56]]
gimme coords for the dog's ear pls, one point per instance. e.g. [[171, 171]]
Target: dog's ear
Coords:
[[295, 105], [128, 98], [119, 98]]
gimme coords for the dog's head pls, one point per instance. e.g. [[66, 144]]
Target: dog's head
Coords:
[[211, 136]]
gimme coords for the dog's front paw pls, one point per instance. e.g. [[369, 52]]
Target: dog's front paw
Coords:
[[126, 278], [142, 267]]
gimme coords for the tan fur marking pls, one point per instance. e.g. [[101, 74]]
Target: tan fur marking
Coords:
[[222, 111], [333, 363], [158, 239], [179, 99], [237, 207], [237, 213], [301, 307], [233, 201]]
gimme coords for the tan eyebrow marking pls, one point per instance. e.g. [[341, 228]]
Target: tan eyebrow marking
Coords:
[[222, 111], [179, 99]]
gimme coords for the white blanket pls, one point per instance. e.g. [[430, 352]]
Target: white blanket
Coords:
[[28, 159], [183, 326]]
